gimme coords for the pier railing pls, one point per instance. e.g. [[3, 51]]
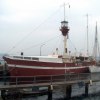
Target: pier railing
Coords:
[[15, 82], [46, 79]]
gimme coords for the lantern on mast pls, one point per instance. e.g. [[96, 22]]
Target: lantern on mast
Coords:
[[64, 28]]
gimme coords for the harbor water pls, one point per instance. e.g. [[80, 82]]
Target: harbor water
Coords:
[[77, 93]]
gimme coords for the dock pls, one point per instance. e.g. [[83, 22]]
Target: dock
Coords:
[[23, 82]]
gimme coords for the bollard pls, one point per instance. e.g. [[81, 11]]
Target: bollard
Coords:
[[90, 82]]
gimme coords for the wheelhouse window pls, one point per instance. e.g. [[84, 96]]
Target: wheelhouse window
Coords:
[[35, 58], [18, 57], [27, 57]]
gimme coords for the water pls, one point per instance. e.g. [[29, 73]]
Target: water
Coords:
[[77, 93]]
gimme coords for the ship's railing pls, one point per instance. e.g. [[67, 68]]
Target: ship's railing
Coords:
[[46, 79]]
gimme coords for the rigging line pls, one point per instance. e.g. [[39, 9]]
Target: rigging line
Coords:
[[55, 44], [40, 43], [32, 31], [73, 45]]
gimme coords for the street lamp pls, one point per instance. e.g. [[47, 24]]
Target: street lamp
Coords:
[[41, 48]]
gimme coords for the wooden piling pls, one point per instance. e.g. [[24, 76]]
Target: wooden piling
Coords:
[[86, 89], [68, 91], [50, 89], [3, 94]]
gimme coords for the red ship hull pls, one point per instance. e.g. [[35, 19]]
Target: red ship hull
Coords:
[[33, 68], [38, 72]]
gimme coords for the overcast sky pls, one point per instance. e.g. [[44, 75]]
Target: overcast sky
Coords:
[[28, 25]]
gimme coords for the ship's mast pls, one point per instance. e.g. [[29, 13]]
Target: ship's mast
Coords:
[[64, 12], [64, 29], [96, 45], [87, 38]]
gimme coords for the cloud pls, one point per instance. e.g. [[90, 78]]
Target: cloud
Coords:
[[22, 10], [16, 18]]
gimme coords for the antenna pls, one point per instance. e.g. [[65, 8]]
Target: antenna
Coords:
[[87, 37], [65, 10]]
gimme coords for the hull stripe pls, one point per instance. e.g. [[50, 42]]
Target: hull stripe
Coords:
[[39, 67]]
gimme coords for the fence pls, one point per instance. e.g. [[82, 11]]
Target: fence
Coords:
[[46, 79]]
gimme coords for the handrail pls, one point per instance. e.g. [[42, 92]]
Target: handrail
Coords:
[[44, 79]]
